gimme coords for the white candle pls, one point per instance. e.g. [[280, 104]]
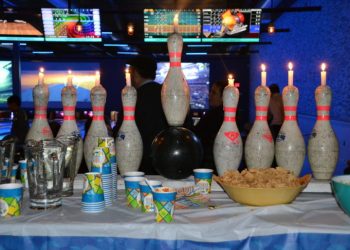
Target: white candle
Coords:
[[176, 22], [41, 75], [69, 78], [97, 78], [323, 74], [290, 74], [230, 79], [127, 77], [263, 75]]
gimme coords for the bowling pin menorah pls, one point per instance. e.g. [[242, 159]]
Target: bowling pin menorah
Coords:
[[129, 147], [69, 125], [290, 145], [228, 146], [175, 93], [40, 128], [323, 147], [98, 126]]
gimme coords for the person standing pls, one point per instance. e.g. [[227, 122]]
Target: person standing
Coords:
[[149, 115], [20, 125]]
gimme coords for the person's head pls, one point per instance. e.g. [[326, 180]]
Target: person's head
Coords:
[[142, 68], [215, 95], [274, 88], [14, 103]]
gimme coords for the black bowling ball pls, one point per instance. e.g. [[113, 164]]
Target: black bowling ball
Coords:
[[176, 151]]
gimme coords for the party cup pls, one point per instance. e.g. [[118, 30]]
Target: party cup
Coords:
[[147, 196], [164, 200], [24, 175], [134, 174], [14, 173], [11, 199], [203, 178], [92, 188], [132, 191]]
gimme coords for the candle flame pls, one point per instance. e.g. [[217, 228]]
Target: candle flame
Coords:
[[69, 72], [290, 65], [127, 70], [176, 19], [323, 66], [41, 69], [263, 67], [230, 76], [97, 73]]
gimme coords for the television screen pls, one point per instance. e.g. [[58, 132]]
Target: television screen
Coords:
[[60, 25], [231, 25], [197, 76], [5, 81], [159, 23], [56, 78]]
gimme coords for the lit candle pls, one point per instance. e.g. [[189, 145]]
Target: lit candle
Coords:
[[290, 74], [230, 79], [323, 74], [176, 22], [127, 76], [69, 78], [97, 78], [41, 75], [263, 75]]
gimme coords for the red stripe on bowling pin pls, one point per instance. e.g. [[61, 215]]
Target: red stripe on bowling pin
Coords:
[[68, 108], [229, 118], [290, 118], [97, 108], [175, 54], [323, 108], [40, 116], [261, 108], [230, 109], [69, 117], [175, 64], [129, 118], [323, 117], [290, 108], [98, 118], [129, 108], [261, 117]]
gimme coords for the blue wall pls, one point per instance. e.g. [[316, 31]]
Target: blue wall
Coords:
[[314, 37]]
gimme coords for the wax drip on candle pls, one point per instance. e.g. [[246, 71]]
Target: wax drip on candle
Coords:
[[97, 78], [290, 74], [127, 76], [176, 23], [41, 75], [230, 79], [69, 78], [323, 74], [263, 75]]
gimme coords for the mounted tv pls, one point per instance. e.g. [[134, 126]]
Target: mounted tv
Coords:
[[5, 81], [56, 78], [63, 25], [159, 24], [197, 76], [231, 25]]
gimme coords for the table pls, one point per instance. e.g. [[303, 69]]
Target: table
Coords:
[[312, 221]]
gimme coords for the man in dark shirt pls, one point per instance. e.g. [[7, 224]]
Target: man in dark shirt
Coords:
[[20, 124], [149, 115]]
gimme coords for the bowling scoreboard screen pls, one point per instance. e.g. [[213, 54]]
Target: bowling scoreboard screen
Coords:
[[60, 25], [5, 81], [197, 76], [231, 25], [159, 23]]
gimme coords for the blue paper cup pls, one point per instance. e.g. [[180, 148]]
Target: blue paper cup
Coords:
[[132, 191], [134, 174], [203, 178], [24, 174], [92, 189], [11, 199], [14, 173], [164, 200], [100, 163], [146, 195]]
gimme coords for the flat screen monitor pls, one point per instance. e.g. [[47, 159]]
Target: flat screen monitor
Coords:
[[56, 78], [159, 23], [231, 25], [5, 81], [60, 25], [197, 76]]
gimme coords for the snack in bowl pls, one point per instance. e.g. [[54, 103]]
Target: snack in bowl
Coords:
[[262, 187]]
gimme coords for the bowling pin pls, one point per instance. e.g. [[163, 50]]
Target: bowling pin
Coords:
[[228, 146], [290, 145], [259, 146], [175, 93], [323, 147], [98, 127], [40, 128], [128, 143], [69, 125]]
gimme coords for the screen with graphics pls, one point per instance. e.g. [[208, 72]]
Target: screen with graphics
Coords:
[[159, 23], [56, 78], [197, 76], [231, 25], [61, 25], [5, 81]]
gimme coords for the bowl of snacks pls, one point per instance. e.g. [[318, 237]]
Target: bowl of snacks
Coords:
[[341, 189], [262, 187]]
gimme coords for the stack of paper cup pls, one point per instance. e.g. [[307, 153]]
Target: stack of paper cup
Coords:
[[101, 165], [109, 148], [24, 175], [93, 196]]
